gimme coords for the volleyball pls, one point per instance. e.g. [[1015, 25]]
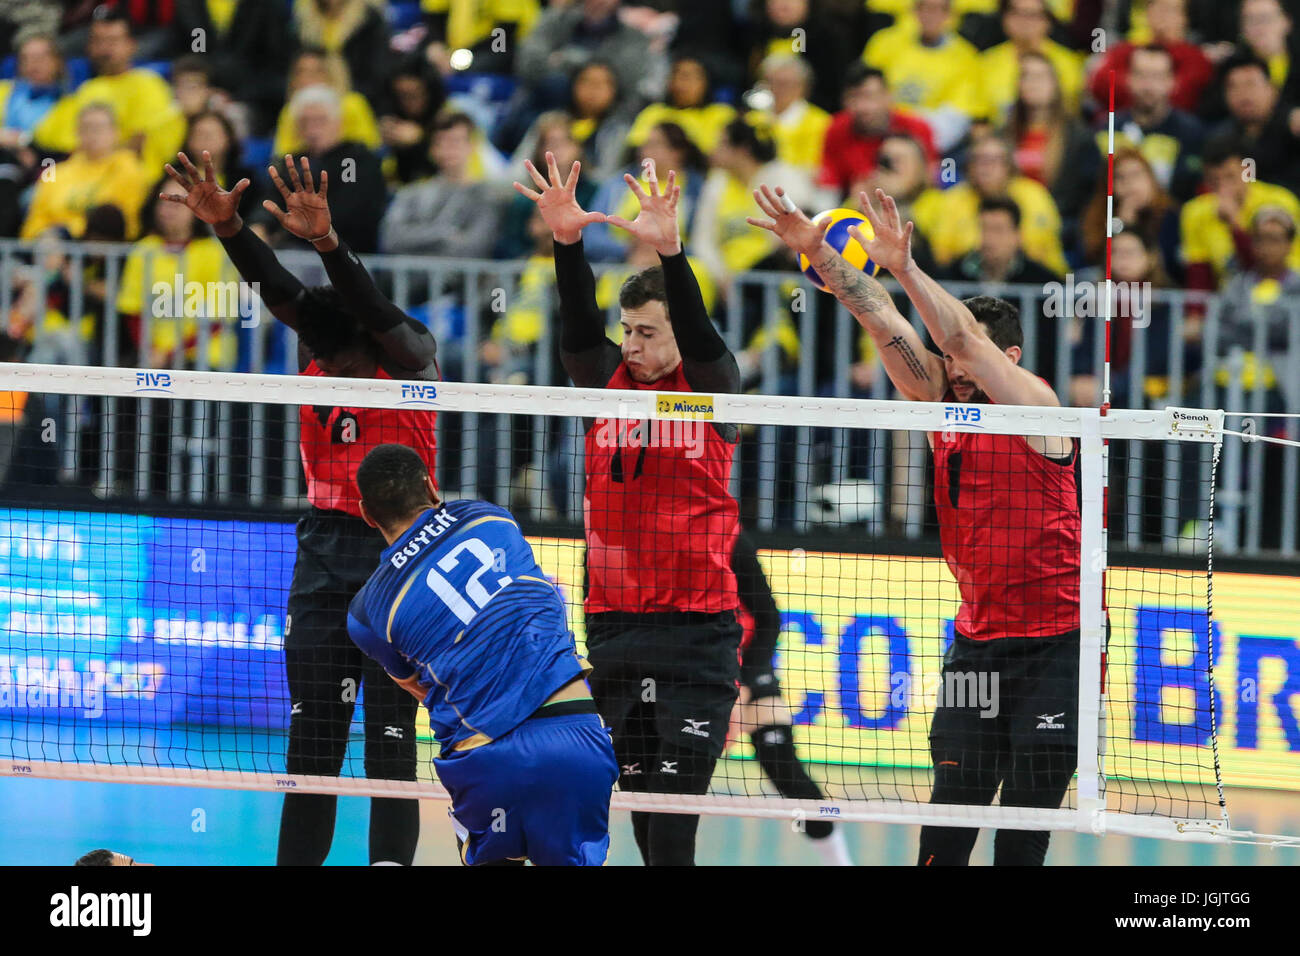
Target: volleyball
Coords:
[[848, 247]]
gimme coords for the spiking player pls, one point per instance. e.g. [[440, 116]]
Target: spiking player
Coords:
[[1009, 523], [660, 523], [460, 615], [349, 329], [761, 712]]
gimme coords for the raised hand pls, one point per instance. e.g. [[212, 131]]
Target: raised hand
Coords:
[[788, 222], [656, 223], [203, 194], [306, 212], [891, 247], [557, 201]]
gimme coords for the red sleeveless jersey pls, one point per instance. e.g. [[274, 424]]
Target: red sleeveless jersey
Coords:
[[1009, 522], [333, 441], [661, 523]]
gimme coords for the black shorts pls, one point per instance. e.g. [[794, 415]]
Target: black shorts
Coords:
[[1007, 695], [337, 553], [665, 679]]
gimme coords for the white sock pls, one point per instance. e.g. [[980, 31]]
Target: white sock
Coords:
[[834, 849]]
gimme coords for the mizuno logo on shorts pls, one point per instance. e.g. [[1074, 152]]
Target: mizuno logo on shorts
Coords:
[[669, 766], [632, 768], [693, 727], [1049, 722]]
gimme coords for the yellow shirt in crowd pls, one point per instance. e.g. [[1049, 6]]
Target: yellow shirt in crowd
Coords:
[[470, 22], [799, 133], [142, 104], [78, 184], [1000, 69], [928, 78], [359, 126], [1206, 238], [949, 219], [702, 124], [148, 287]]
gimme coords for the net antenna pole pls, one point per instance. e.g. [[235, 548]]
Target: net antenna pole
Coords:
[[1094, 624]]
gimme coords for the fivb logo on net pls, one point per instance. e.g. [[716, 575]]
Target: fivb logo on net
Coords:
[[419, 395], [76, 909], [177, 299]]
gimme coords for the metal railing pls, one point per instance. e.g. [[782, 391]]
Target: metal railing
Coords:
[[1219, 366]]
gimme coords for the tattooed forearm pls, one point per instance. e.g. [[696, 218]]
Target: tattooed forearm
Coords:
[[861, 294], [908, 354]]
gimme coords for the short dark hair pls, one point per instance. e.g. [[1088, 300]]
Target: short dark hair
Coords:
[[1242, 60], [453, 119], [328, 328], [1002, 204], [191, 63], [859, 73], [1219, 149], [642, 287], [391, 481], [104, 13], [999, 317], [96, 858], [758, 142], [1157, 48], [104, 223]]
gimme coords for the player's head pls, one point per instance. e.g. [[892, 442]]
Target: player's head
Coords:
[[395, 487], [107, 858], [1000, 321], [335, 337], [649, 346]]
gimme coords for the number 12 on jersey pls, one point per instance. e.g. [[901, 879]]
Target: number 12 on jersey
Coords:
[[476, 595]]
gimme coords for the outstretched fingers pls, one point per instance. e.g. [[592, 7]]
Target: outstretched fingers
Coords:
[[278, 182], [177, 177], [553, 170], [190, 169], [523, 190], [766, 201], [295, 182], [876, 219], [306, 174], [571, 184], [275, 211], [538, 180], [767, 224], [635, 186]]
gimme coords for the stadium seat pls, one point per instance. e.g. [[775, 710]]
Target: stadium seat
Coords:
[[403, 14], [78, 69]]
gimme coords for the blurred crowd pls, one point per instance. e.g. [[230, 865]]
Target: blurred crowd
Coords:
[[986, 119]]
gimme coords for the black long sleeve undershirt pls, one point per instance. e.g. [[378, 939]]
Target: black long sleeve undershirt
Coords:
[[755, 594], [409, 349], [255, 261]]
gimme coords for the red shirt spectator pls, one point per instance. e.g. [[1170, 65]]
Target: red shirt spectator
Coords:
[[1192, 72], [856, 132]]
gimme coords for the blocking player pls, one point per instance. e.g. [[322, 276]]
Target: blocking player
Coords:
[[461, 616], [1009, 523], [660, 522], [761, 711], [347, 329]]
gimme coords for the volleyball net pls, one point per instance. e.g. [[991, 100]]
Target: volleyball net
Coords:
[[147, 539]]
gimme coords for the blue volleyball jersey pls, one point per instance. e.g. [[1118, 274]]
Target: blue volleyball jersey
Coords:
[[461, 601]]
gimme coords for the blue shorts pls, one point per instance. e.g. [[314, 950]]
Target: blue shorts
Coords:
[[541, 792]]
